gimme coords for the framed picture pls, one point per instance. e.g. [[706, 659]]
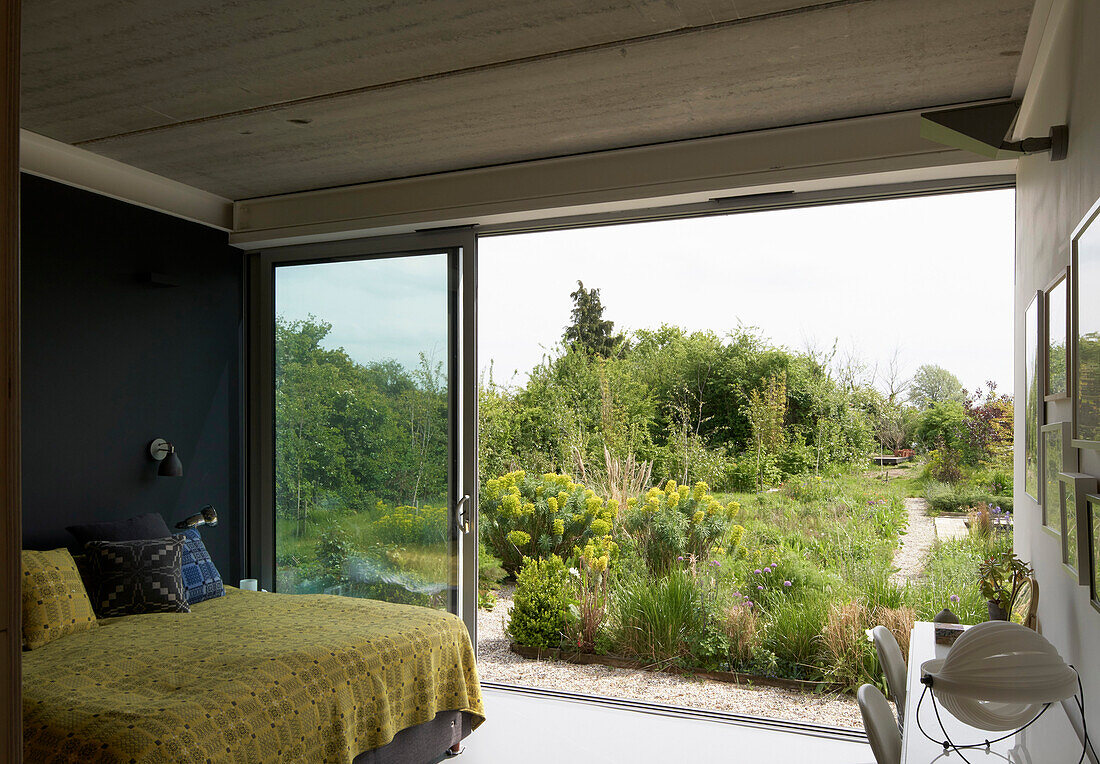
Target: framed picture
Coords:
[[1057, 456], [1085, 270], [1075, 486], [1033, 401], [1092, 504], [1056, 308]]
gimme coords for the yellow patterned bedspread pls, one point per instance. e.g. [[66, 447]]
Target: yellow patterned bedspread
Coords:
[[246, 678]]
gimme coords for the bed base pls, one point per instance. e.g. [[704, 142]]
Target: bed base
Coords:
[[425, 743]]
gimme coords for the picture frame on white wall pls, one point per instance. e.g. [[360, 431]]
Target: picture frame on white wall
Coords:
[[1085, 354], [1092, 519], [1056, 346], [1075, 486], [1033, 392], [1056, 456]]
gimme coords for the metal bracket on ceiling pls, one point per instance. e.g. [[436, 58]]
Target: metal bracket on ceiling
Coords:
[[984, 129]]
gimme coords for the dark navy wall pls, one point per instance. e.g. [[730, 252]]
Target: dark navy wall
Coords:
[[111, 362]]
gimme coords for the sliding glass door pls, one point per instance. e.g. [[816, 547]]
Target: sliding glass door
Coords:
[[363, 396]]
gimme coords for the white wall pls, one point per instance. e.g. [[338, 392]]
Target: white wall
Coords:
[[1051, 199]]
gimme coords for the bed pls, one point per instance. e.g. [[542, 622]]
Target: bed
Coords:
[[254, 677]]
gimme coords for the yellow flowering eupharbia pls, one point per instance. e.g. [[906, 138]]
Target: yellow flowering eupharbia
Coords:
[[541, 514], [708, 523], [519, 539]]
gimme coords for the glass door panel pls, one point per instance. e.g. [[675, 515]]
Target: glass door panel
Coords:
[[364, 445]]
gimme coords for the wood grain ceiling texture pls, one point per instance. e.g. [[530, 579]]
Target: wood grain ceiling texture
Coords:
[[252, 98]]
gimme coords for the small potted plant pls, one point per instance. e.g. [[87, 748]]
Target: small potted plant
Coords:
[[1001, 578]]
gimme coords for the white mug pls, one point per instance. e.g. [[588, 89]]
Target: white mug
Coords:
[[250, 584]]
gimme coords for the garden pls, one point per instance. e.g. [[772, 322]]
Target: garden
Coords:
[[686, 502]]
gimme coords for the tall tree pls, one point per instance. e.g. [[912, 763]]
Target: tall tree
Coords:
[[894, 383], [589, 330], [934, 384]]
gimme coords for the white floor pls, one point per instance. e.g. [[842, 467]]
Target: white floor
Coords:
[[536, 730]]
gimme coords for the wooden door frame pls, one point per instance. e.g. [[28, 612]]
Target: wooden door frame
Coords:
[[11, 715]]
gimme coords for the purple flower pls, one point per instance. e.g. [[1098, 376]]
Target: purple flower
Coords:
[[737, 594], [749, 603], [786, 583], [759, 587], [715, 563], [954, 598], [680, 559], [758, 571]]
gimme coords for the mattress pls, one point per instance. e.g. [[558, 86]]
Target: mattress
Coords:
[[246, 678]]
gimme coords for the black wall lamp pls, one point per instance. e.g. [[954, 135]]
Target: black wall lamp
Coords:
[[165, 453]]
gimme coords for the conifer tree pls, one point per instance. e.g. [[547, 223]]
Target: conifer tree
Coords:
[[589, 330]]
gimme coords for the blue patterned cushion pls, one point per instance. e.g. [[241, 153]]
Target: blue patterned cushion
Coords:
[[201, 580]]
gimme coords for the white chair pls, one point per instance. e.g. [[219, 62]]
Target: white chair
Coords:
[[893, 666], [878, 721]]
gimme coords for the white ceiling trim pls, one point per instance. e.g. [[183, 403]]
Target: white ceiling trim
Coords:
[[838, 153], [45, 157], [1043, 66], [1040, 17]]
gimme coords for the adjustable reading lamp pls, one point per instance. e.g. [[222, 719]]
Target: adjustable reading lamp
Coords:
[[998, 676]]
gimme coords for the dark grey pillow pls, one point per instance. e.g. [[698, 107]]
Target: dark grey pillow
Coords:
[[148, 526], [131, 577]]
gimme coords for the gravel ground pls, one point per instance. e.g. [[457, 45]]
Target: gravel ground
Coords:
[[496, 663], [912, 552]]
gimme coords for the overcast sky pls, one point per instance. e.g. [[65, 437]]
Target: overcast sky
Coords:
[[931, 276], [379, 309]]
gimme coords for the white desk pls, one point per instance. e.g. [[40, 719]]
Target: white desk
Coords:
[[916, 748]]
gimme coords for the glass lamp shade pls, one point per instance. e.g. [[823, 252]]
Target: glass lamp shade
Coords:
[[170, 465], [998, 675]]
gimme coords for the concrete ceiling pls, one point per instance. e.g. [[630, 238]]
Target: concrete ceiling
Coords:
[[251, 98]]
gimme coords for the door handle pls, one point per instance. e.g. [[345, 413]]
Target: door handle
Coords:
[[462, 514]]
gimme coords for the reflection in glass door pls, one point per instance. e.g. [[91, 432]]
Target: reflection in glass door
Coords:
[[363, 404]]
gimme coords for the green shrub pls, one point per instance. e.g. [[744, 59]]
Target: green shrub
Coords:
[[946, 498], [943, 424], [541, 515], [334, 547], [541, 605], [715, 467], [711, 648], [796, 457], [750, 468], [659, 618], [944, 465], [678, 522]]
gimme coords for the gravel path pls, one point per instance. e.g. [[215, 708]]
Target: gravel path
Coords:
[[496, 663], [913, 549]]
